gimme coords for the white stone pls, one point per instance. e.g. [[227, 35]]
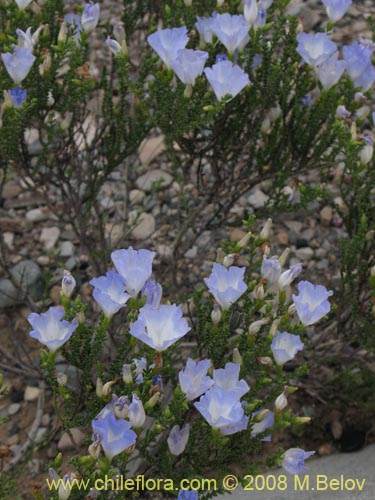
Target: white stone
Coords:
[[66, 249], [136, 196], [49, 237], [31, 393], [65, 442], [144, 227], [156, 177]]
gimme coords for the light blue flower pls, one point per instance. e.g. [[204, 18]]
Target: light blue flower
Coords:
[[22, 4], [204, 27], [140, 367], [136, 412], [113, 46], [153, 291], [18, 63], [187, 495], [267, 422], [160, 328], [74, 20], [336, 8], [116, 405], [193, 378], [330, 71], [109, 292], [232, 31], [358, 58], [285, 346], [311, 303], [177, 439], [315, 48], [18, 96], [287, 277], [271, 269], [366, 79], [189, 64], [115, 435], [90, 16], [228, 378], [220, 408], [239, 426], [135, 266], [166, 43], [294, 460], [250, 11], [50, 329], [261, 19], [226, 284]]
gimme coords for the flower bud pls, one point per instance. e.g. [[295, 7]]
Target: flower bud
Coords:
[[216, 314], [99, 387], [259, 291], [127, 375], [284, 256], [342, 112], [228, 260], [107, 388], [265, 361], [265, 232], [152, 401], [363, 112], [237, 358], [302, 420], [250, 11], [281, 401], [274, 327], [65, 124], [257, 325], [368, 151], [244, 241], [188, 3], [136, 413], [94, 450], [61, 38], [68, 284], [372, 272], [292, 309], [261, 415], [61, 378], [50, 99]]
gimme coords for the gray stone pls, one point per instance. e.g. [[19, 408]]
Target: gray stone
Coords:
[[144, 227], [192, 252], [136, 196], [41, 435], [304, 253], [31, 393], [28, 279], [66, 249], [257, 198], [37, 214], [153, 178], [13, 409], [65, 442], [49, 237]]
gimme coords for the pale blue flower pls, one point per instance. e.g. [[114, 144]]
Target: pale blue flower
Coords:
[[160, 328], [232, 31], [178, 438], [226, 284], [311, 303], [166, 43], [220, 408], [220, 57], [189, 64], [330, 71], [336, 8], [136, 412], [239, 426], [285, 346], [113, 46], [18, 63], [250, 11], [287, 277], [22, 4], [117, 403], [135, 266], [358, 58], [18, 96], [271, 269], [228, 378], [366, 79], [115, 435], [109, 292], [204, 26], [294, 460], [74, 20], [187, 495], [25, 39], [193, 378], [140, 367], [315, 48], [261, 19], [50, 329], [267, 422], [90, 16], [153, 291]]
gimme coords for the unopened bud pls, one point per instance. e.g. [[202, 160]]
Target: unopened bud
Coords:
[[152, 401], [237, 358], [363, 112], [265, 232], [65, 124], [261, 415], [61, 378], [259, 291], [281, 402], [107, 388], [244, 241], [188, 90], [228, 260], [68, 284], [81, 317], [63, 33], [372, 272], [284, 256], [257, 325], [94, 450], [216, 314], [220, 255], [99, 387], [127, 375], [302, 420], [265, 361], [368, 151], [292, 309], [274, 327]]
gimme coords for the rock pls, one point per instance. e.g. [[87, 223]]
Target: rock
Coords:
[[150, 148], [257, 198], [10, 190], [164, 251], [55, 295], [236, 234], [136, 196], [8, 239], [326, 215], [192, 252], [144, 227], [282, 237], [13, 409], [43, 260], [37, 214], [41, 435], [154, 178], [34, 145], [28, 279], [52, 450], [66, 249], [46, 419], [304, 253], [31, 393], [49, 237], [204, 240], [65, 442], [114, 233]]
